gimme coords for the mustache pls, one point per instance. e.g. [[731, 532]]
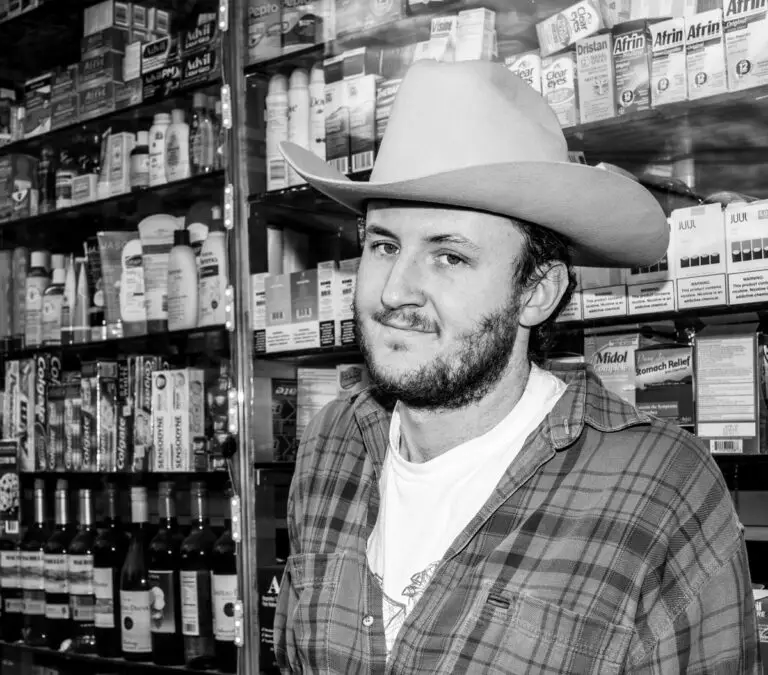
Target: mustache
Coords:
[[409, 320]]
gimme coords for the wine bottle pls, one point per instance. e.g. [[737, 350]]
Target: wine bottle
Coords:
[[135, 614], [80, 570], [224, 596], [33, 572], [196, 614], [164, 562], [10, 582], [109, 551], [59, 627]]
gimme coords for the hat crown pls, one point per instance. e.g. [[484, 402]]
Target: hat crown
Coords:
[[450, 116]]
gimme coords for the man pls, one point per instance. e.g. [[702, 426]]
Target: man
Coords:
[[473, 512]]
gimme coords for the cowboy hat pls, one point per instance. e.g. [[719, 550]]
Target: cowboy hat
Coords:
[[474, 135]]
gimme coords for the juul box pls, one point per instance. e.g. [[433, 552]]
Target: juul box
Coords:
[[731, 363], [664, 382], [187, 438], [651, 288], [746, 234], [603, 291], [47, 373]]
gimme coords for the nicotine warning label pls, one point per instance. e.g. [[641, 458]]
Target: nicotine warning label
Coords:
[[602, 302], [651, 298], [701, 292], [746, 287], [572, 311]]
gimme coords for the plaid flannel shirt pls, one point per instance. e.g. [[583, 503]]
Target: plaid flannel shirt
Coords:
[[610, 546]]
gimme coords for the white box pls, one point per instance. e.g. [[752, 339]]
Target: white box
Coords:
[[594, 68], [187, 420], [745, 26], [259, 301], [476, 46], [105, 15], [746, 234], [560, 88], [480, 19], [668, 72], [615, 11], [264, 30], [705, 54], [336, 115], [132, 62], [574, 23], [316, 387], [526, 66], [119, 158], [161, 421], [603, 292], [651, 288], [346, 280], [444, 26], [361, 104]]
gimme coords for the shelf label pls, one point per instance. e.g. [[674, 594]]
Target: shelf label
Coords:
[[748, 287], [604, 302], [652, 297], [709, 291]]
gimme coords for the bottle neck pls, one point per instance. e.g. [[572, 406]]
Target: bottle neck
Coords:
[[199, 509], [139, 515], [39, 507], [86, 510], [61, 510], [167, 510], [112, 515]]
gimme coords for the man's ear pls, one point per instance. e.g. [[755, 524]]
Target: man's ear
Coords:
[[541, 299]]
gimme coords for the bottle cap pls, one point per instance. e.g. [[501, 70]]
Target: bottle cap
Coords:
[[277, 85], [39, 484], [59, 276], [199, 100], [162, 118], [58, 260], [39, 259], [177, 116], [299, 79], [317, 75], [200, 212], [62, 485], [181, 237], [165, 487], [142, 138]]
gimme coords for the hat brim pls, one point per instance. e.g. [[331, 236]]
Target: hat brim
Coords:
[[609, 220]]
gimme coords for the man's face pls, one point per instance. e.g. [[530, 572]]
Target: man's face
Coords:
[[436, 303]]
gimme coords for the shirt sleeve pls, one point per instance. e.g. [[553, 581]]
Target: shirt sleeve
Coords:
[[714, 634]]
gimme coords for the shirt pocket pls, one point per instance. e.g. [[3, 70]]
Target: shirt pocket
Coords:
[[517, 633]]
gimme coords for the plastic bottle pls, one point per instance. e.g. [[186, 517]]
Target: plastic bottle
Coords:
[[157, 133], [140, 162], [317, 111], [182, 284], [82, 321], [65, 174], [37, 282], [202, 140], [221, 138], [214, 273], [298, 116], [52, 302], [68, 303], [177, 165], [277, 131], [46, 179]]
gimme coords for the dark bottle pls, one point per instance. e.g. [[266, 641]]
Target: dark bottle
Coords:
[[135, 614], [109, 551], [224, 595], [11, 589], [33, 572], [80, 566], [196, 615], [164, 563], [46, 179], [59, 627]]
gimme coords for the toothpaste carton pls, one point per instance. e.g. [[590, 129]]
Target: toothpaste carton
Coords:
[[562, 30], [259, 311], [361, 103], [668, 72], [10, 399], [73, 399], [99, 415], [700, 256], [527, 67], [594, 66], [142, 368], [632, 63], [125, 387], [336, 115], [161, 421], [57, 393], [603, 291], [25, 416], [664, 382], [705, 54], [745, 26], [746, 234], [558, 79], [344, 295], [47, 373], [188, 449]]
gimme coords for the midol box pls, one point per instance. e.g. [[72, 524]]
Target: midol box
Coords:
[[651, 288], [603, 291], [746, 234], [560, 89], [705, 54], [668, 72], [745, 26], [700, 256], [632, 66], [527, 67], [594, 67], [664, 382]]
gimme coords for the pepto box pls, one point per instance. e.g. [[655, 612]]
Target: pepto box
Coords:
[[745, 26], [632, 66], [668, 73], [664, 382], [527, 67], [563, 29], [47, 372], [264, 30], [594, 66], [705, 54], [558, 78]]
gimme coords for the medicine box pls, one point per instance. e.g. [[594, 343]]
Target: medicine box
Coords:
[[188, 444], [668, 72], [632, 66], [361, 103], [705, 54], [385, 98], [336, 115], [264, 30], [526, 66], [306, 23], [664, 382], [560, 89], [105, 15], [746, 234], [37, 102], [564, 28], [143, 368], [594, 67], [745, 27]]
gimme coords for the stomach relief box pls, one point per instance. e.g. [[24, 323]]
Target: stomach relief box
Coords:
[[558, 79], [668, 73], [705, 54], [745, 26], [664, 382], [746, 233], [594, 65], [632, 63]]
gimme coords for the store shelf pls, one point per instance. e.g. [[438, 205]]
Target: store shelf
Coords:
[[218, 479], [314, 357]]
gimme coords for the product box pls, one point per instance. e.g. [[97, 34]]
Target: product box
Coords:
[[344, 296], [385, 98], [106, 14], [705, 54], [202, 38], [632, 66], [669, 81], [360, 61], [651, 288], [162, 83], [259, 312], [306, 23], [119, 158], [603, 292], [73, 399], [46, 374], [6, 187], [277, 291], [9, 506], [284, 405], [188, 451], [615, 11], [104, 41], [527, 67], [746, 235], [351, 378], [98, 100], [25, 417], [473, 46], [100, 69], [560, 88], [700, 256], [264, 30], [574, 310], [594, 67], [99, 415], [200, 68], [143, 368], [218, 395], [336, 115], [745, 27], [139, 16], [664, 382], [160, 54], [25, 192], [55, 451], [361, 103], [132, 61], [126, 384], [10, 398], [563, 29], [373, 14], [85, 188], [316, 388], [64, 110], [162, 430], [731, 362], [37, 102]]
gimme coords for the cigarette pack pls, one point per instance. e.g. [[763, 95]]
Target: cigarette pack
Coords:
[[746, 234], [632, 66], [705, 54], [594, 67], [161, 421], [142, 368], [745, 27], [669, 81], [47, 373], [73, 399], [527, 67], [560, 88], [188, 445], [563, 29], [99, 415], [24, 415]]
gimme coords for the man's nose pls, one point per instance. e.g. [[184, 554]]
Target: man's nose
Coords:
[[404, 285]]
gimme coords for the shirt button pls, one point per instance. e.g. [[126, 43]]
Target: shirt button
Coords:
[[367, 621]]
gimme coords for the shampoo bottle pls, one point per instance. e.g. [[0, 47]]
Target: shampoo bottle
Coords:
[[182, 284], [202, 138], [298, 116], [68, 303], [37, 281], [317, 111], [157, 133], [277, 131], [177, 148], [52, 301], [214, 274]]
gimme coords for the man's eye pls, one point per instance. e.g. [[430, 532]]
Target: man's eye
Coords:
[[384, 248], [450, 260]]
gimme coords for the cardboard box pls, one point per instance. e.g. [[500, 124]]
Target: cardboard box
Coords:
[[651, 288], [316, 388], [85, 188], [259, 312], [705, 54], [562, 30], [560, 88], [360, 61], [284, 406], [73, 400], [385, 98], [46, 374], [159, 54], [344, 295], [361, 103], [669, 81], [119, 154], [126, 384], [57, 393], [25, 189], [632, 66], [37, 102], [603, 292], [100, 69], [143, 368], [64, 112], [730, 364], [106, 14], [336, 115], [188, 443], [25, 422], [664, 382], [264, 30], [700, 256], [132, 61], [6, 187], [526, 66], [306, 23], [162, 430], [200, 68], [745, 27], [746, 235], [98, 100], [104, 41], [201, 39], [99, 415], [594, 68]]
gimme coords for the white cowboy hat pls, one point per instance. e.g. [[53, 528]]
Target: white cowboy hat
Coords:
[[474, 135]]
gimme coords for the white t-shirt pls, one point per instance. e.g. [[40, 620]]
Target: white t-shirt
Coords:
[[424, 506]]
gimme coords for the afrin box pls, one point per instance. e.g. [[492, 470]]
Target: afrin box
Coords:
[[594, 66], [527, 67], [47, 372], [161, 421], [745, 26], [632, 66], [705, 54], [559, 85], [668, 72], [700, 256], [99, 414], [73, 400], [603, 291], [563, 29], [664, 382], [731, 362], [187, 430], [746, 234]]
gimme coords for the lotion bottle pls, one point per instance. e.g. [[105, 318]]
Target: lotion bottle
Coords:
[[182, 284], [52, 302], [37, 282], [277, 131], [177, 148], [298, 116], [214, 274], [157, 134], [317, 111]]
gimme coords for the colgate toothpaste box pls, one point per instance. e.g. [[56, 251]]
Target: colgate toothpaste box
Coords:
[[47, 372]]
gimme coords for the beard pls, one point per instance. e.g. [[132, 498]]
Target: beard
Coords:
[[465, 375]]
